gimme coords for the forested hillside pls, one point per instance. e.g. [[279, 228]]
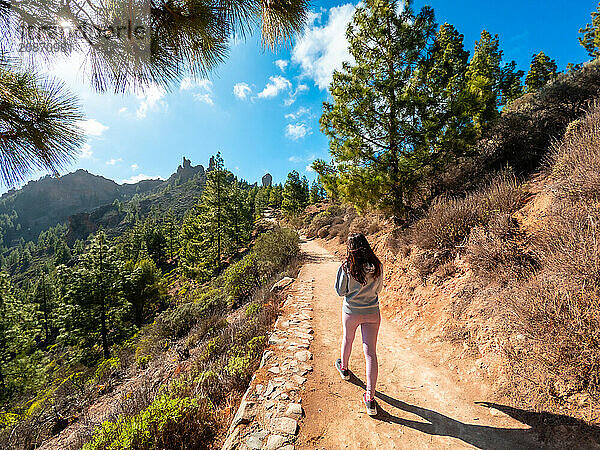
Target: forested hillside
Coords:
[[80, 314]]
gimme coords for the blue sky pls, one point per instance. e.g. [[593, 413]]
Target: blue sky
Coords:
[[261, 109]]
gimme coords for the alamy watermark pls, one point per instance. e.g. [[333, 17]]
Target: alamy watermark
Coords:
[[113, 29]]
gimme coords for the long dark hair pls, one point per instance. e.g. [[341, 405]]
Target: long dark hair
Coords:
[[359, 256]]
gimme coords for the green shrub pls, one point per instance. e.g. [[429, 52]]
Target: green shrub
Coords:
[[8, 419], [106, 368], [177, 321], [239, 365], [241, 278], [253, 309], [274, 250], [143, 430]]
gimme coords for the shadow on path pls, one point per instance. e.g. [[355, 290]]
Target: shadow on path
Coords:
[[541, 434]]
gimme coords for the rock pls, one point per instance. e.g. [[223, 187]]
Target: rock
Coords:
[[265, 357], [323, 232], [284, 425], [245, 413], [497, 413], [275, 441], [261, 434], [298, 379], [275, 370], [269, 390], [294, 410], [275, 340], [290, 386], [287, 447], [267, 179], [303, 355], [254, 442], [285, 281], [269, 404]]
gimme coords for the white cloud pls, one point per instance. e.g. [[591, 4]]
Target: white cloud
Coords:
[[113, 162], [322, 47], [309, 168], [151, 100], [275, 86], [301, 112], [188, 84], [202, 89], [205, 97], [295, 159], [296, 131], [292, 98], [92, 127], [134, 167], [86, 151], [123, 110], [139, 177], [282, 64], [242, 90]]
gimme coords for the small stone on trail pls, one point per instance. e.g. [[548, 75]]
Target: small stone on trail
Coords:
[[303, 355], [275, 441], [298, 379], [284, 425], [294, 410]]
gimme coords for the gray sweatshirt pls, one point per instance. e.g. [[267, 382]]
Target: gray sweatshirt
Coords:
[[358, 298]]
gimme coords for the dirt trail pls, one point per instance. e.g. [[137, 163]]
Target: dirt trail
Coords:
[[420, 404]]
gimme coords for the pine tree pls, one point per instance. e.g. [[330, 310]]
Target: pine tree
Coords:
[[510, 84], [143, 289], [94, 305], [372, 124], [317, 193], [241, 214], [483, 75], [295, 194], [208, 232], [171, 232], [276, 196], [261, 200], [591, 35], [18, 331], [43, 297], [445, 108], [542, 70]]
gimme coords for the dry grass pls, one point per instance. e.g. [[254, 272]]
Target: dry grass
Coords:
[[557, 311], [449, 220]]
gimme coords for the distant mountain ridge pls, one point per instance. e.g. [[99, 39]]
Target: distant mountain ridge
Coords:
[[46, 202]]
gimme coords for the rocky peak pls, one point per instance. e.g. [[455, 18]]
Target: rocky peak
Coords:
[[267, 180]]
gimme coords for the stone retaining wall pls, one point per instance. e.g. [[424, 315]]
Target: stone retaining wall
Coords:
[[271, 409]]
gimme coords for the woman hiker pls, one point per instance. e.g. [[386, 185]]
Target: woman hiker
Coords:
[[359, 280]]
